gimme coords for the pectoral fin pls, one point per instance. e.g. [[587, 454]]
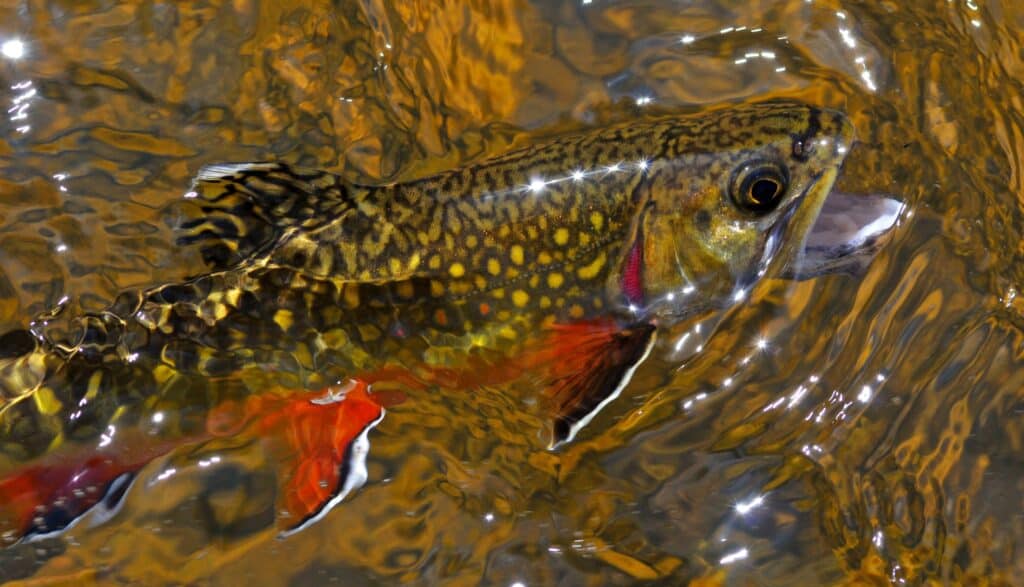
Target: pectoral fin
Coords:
[[591, 364]]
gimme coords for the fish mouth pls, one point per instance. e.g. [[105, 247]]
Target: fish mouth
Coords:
[[847, 233]]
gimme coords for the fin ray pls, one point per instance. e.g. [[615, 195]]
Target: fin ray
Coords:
[[589, 364]]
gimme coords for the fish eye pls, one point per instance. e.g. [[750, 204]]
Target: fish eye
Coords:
[[759, 186]]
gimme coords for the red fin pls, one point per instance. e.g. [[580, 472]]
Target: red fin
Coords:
[[589, 364], [48, 498], [320, 441]]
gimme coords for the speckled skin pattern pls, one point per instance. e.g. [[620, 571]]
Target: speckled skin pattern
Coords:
[[323, 279]]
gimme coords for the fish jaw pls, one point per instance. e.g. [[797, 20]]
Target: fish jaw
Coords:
[[849, 230]]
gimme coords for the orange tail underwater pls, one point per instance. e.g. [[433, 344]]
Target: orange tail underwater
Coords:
[[318, 442]]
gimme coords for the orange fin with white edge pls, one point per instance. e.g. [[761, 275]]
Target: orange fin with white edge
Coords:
[[589, 364], [320, 443]]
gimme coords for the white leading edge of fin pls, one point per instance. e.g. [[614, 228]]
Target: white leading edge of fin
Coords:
[[98, 513], [357, 475], [222, 170], [576, 427]]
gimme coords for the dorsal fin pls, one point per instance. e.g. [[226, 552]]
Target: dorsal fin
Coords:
[[246, 207]]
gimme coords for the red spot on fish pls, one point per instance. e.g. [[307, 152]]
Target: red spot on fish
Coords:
[[440, 317]]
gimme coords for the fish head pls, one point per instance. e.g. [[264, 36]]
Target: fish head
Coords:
[[731, 202]]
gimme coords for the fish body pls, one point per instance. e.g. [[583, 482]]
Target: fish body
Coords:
[[564, 257]]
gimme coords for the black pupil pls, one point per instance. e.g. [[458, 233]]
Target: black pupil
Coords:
[[764, 191]]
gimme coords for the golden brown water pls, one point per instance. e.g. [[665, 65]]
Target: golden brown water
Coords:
[[876, 436]]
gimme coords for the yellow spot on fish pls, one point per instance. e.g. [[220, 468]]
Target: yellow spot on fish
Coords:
[[220, 311], [504, 315], [545, 302], [404, 289], [94, 385], [555, 280], [435, 262], [508, 332], [46, 402], [161, 373], [543, 258], [591, 271], [562, 236], [516, 254], [414, 261], [231, 296], [520, 298], [352, 295], [457, 270], [499, 293], [336, 338], [368, 332], [471, 241], [493, 266], [576, 311], [395, 265], [480, 282], [460, 287], [283, 319], [437, 288], [584, 239], [534, 281], [504, 231], [596, 220]]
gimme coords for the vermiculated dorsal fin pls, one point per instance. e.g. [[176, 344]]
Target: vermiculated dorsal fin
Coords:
[[246, 207]]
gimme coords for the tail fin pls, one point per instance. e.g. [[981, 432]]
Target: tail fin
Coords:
[[246, 207]]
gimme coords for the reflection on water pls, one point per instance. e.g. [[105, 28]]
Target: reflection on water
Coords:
[[834, 430]]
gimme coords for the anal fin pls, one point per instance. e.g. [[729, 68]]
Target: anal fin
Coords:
[[592, 362]]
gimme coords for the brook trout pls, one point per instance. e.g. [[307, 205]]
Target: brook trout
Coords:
[[562, 260]]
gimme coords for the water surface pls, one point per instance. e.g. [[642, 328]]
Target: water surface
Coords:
[[834, 431]]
